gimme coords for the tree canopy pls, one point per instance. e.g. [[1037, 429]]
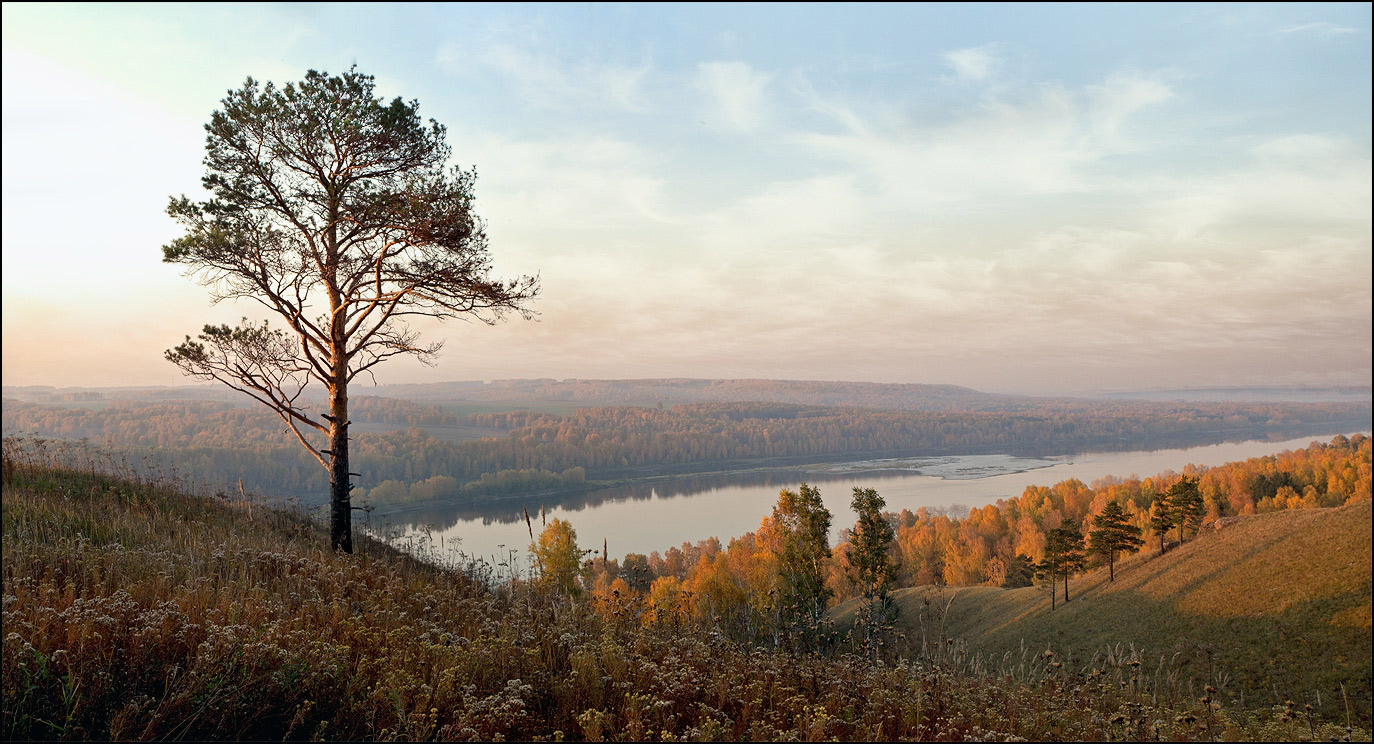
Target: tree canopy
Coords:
[[1186, 504], [1113, 533], [558, 557], [335, 210], [804, 526], [1161, 518], [871, 544]]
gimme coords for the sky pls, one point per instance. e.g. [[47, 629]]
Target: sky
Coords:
[[1038, 199]]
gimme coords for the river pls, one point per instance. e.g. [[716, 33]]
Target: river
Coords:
[[655, 515]]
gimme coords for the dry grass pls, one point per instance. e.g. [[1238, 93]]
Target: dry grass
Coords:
[[133, 611]]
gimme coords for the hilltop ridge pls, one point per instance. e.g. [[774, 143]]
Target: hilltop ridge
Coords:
[[1270, 607], [677, 390]]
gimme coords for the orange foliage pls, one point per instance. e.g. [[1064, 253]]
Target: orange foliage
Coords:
[[737, 584]]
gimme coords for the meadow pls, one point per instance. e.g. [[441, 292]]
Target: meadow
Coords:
[[134, 610]]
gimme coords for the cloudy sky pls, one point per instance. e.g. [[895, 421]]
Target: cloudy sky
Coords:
[[1035, 199]]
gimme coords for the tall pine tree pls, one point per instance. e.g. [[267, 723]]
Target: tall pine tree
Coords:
[[1112, 534], [1161, 518], [1185, 500], [1064, 557]]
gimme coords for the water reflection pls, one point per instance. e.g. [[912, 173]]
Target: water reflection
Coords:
[[654, 515], [512, 510]]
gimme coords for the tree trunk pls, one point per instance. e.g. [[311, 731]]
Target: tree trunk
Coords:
[[1066, 587], [1111, 565], [340, 503], [1054, 588]]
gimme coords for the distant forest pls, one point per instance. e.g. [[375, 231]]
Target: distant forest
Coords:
[[515, 394], [408, 442]]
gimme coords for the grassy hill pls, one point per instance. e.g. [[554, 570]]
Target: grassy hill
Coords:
[[1269, 608], [133, 611]]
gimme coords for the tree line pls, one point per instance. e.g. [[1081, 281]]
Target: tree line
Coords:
[[222, 443], [195, 423], [766, 584], [440, 488]]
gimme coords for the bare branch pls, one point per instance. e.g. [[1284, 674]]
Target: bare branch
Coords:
[[254, 360]]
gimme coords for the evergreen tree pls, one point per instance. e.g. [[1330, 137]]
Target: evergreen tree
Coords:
[[1064, 556], [1020, 571], [1112, 534], [1185, 501], [1161, 518], [1048, 571], [336, 211]]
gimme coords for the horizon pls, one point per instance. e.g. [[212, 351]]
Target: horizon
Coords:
[[220, 388], [1025, 200]]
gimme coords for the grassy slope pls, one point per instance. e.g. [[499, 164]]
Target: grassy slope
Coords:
[[132, 611], [1276, 606]]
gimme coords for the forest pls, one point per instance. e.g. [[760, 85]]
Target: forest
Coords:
[[997, 545], [222, 442]]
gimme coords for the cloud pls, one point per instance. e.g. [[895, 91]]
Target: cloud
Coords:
[[1320, 28], [871, 266], [583, 184], [735, 94], [974, 64], [1107, 231], [1041, 141], [1110, 104], [547, 81], [1288, 187]]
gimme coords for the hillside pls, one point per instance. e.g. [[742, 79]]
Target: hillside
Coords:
[[547, 394], [1269, 608], [501, 395], [675, 391], [134, 611], [225, 442]]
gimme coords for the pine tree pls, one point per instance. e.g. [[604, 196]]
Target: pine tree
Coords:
[[1161, 518], [1048, 570], [1073, 559], [1112, 534], [1185, 501], [336, 211], [1064, 557]]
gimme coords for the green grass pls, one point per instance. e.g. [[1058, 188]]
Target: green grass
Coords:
[[1270, 608], [134, 611]]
